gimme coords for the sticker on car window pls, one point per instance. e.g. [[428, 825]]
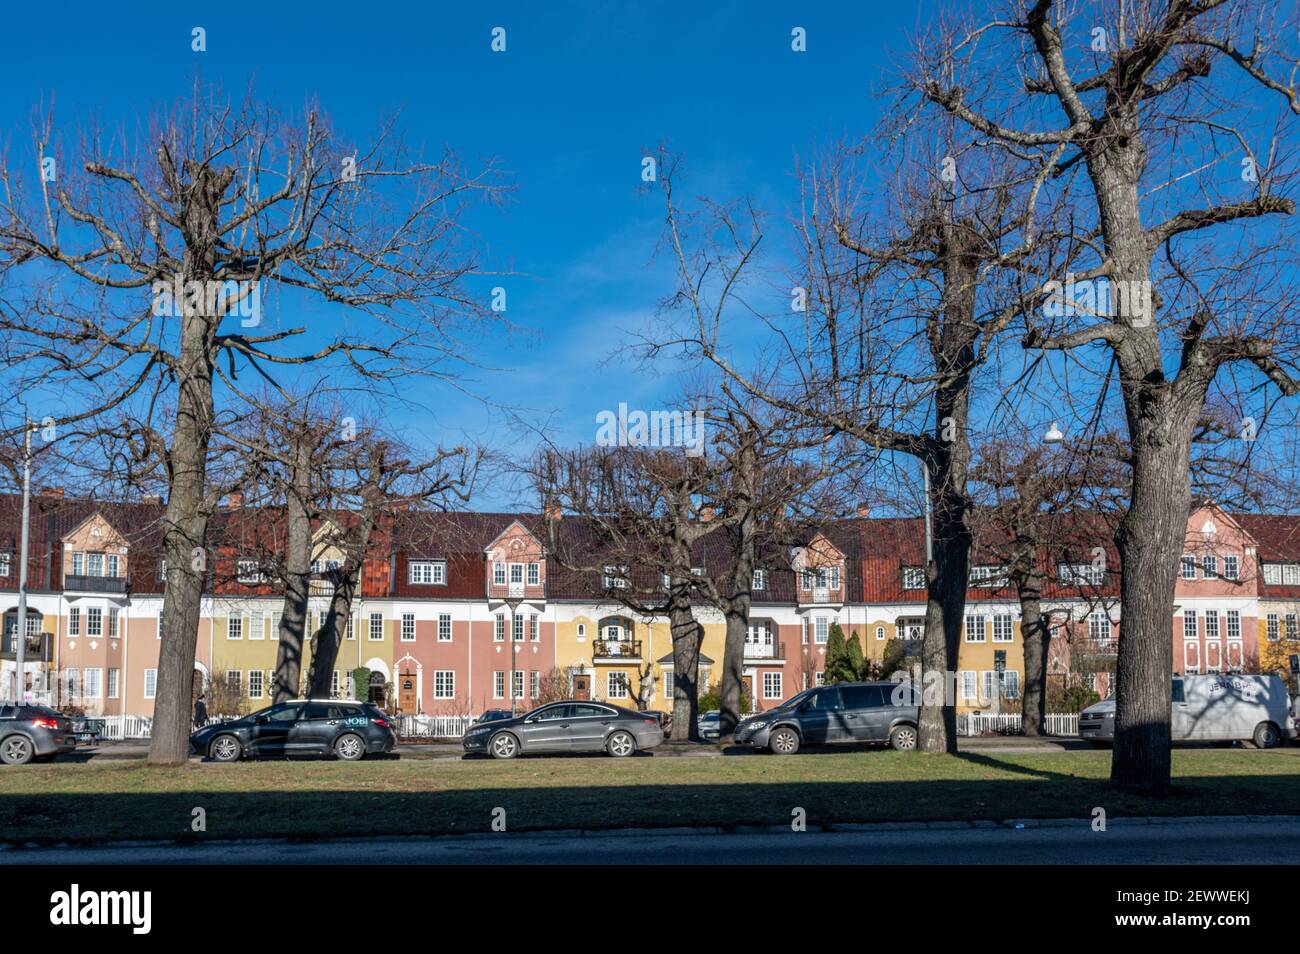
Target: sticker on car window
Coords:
[[355, 720]]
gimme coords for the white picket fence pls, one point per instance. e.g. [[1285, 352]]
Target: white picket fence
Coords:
[[1008, 723], [119, 728], [434, 727]]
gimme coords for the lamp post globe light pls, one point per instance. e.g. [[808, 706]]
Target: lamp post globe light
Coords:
[[1053, 435]]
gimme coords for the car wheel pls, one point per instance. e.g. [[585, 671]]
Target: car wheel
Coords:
[[1266, 735], [16, 750], [903, 738], [503, 746], [621, 745], [225, 748], [784, 742], [350, 748]]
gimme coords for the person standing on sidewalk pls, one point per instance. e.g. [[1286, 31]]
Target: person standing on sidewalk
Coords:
[[200, 712]]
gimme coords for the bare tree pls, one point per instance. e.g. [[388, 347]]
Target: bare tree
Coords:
[[1161, 104], [376, 475], [897, 308], [1040, 506], [639, 516], [146, 266]]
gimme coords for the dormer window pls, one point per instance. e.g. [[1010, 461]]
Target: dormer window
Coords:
[[615, 578], [534, 574], [248, 571], [427, 572], [758, 581], [498, 574]]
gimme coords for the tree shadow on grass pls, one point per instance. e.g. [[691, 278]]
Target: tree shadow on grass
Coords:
[[97, 817]]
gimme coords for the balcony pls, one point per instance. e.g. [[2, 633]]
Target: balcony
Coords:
[[762, 651], [39, 648], [616, 650], [94, 584]]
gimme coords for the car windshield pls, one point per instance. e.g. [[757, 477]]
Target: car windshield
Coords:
[[794, 701]]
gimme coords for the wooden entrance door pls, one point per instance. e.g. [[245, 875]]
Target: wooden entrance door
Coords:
[[582, 686], [747, 687], [406, 695]]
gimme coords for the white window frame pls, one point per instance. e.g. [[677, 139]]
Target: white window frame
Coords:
[[976, 619], [427, 572], [773, 687], [248, 571], [499, 684], [444, 627], [113, 683], [372, 628], [1231, 567], [1191, 630], [234, 628], [150, 684], [914, 578], [498, 574], [444, 684], [616, 685], [1187, 567], [256, 684], [408, 627], [534, 574], [1004, 628]]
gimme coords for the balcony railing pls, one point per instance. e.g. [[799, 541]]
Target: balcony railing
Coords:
[[616, 649], [762, 651], [39, 647], [94, 584]]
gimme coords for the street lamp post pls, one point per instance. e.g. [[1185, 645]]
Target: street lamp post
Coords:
[[513, 602], [20, 635]]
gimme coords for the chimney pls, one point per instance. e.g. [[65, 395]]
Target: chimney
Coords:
[[52, 492], [553, 511], [235, 500], [707, 514]]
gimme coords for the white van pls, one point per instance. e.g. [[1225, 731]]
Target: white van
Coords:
[[1212, 708]]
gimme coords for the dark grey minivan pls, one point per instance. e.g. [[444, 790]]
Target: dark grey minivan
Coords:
[[850, 712]]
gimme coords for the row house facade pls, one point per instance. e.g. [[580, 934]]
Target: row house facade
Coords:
[[458, 613]]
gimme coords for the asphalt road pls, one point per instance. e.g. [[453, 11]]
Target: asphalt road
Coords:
[[1177, 842]]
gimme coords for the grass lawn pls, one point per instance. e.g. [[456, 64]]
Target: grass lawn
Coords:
[[128, 799]]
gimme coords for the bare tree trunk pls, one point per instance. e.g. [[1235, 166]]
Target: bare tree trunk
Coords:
[[1034, 635], [687, 636], [297, 576], [325, 641], [944, 612], [1150, 541], [186, 520], [733, 667]]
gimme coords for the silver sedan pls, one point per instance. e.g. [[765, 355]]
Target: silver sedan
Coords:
[[573, 726]]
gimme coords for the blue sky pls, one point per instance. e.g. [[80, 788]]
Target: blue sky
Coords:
[[582, 92]]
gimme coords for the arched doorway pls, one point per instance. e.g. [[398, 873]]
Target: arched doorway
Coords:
[[378, 689]]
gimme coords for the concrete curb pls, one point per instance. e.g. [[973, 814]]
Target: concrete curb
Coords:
[[832, 828]]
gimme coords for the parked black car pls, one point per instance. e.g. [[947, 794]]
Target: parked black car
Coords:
[[33, 733], [493, 715], [879, 712], [345, 728]]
